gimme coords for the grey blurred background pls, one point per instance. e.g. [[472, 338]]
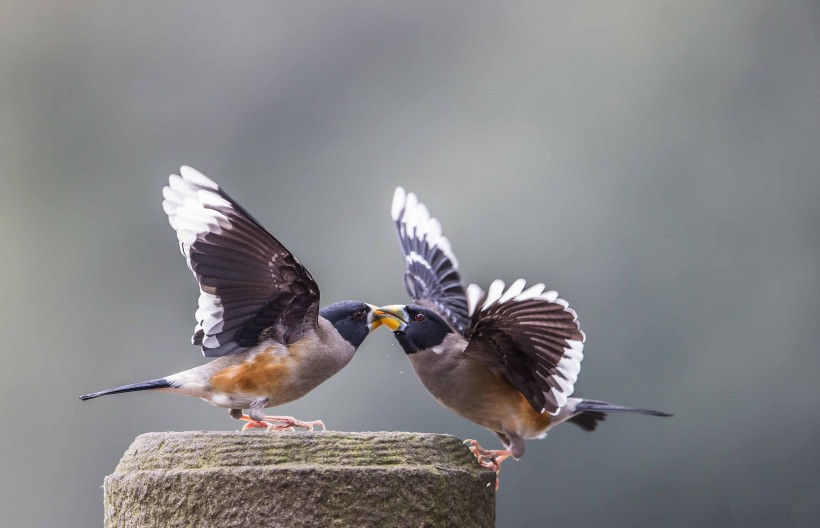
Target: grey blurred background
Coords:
[[655, 162]]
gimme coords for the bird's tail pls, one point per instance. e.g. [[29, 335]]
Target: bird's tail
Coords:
[[606, 407], [588, 413], [161, 383]]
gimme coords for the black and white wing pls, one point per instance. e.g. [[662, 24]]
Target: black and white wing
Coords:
[[531, 338], [249, 282], [431, 278]]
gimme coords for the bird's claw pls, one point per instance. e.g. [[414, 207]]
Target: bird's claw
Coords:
[[488, 458], [278, 427], [289, 422], [253, 424], [280, 423]]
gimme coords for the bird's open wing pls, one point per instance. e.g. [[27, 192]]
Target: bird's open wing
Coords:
[[431, 278], [250, 285], [531, 338]]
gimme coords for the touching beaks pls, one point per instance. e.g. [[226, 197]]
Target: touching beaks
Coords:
[[393, 317], [373, 320]]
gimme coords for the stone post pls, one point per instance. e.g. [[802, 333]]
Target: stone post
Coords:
[[316, 479]]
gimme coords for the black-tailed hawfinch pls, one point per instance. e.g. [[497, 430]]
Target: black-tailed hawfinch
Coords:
[[258, 312], [506, 360]]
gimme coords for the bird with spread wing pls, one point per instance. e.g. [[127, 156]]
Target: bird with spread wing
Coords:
[[258, 315], [506, 359]]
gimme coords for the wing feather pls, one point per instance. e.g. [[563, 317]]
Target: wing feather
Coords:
[[250, 285], [432, 277], [531, 338]]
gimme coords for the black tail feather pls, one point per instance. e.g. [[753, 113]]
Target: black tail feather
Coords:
[[592, 412], [588, 420], [133, 387]]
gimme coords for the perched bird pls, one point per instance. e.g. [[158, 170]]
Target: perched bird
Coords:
[[506, 359], [258, 313]]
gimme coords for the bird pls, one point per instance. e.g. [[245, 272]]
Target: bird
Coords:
[[506, 359], [258, 314]]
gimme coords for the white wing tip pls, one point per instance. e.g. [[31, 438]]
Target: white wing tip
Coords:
[[562, 379], [493, 293], [399, 196], [531, 293], [552, 296], [410, 202], [517, 292], [192, 175], [513, 291], [566, 374], [417, 223], [474, 294]]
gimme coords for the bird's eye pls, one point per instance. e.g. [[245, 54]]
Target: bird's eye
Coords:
[[358, 314], [420, 317]]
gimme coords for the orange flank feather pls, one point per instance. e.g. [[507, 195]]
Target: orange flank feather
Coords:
[[268, 373], [534, 422], [500, 408]]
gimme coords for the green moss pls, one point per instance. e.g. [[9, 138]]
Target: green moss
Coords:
[[208, 459]]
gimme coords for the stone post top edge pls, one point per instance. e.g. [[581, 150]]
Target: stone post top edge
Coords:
[[213, 449], [310, 434]]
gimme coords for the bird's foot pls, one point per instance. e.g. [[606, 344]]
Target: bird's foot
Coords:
[[289, 422], [488, 458], [253, 424], [279, 427], [280, 423], [264, 424]]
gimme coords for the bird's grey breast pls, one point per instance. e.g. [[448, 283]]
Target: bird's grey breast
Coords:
[[321, 354], [441, 368]]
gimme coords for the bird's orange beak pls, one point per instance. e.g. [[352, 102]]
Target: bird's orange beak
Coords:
[[393, 317], [373, 321]]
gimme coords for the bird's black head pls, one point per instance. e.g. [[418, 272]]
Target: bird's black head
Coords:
[[352, 319], [416, 328]]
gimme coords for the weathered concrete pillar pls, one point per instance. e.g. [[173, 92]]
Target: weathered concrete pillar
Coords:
[[243, 479]]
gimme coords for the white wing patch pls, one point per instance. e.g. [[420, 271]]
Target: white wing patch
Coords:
[[562, 380], [192, 212]]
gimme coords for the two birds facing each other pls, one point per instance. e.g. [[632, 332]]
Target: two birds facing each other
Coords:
[[505, 359]]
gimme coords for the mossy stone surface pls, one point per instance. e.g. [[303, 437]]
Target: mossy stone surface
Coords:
[[238, 479]]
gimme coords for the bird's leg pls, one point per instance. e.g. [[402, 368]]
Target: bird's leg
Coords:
[[237, 414], [291, 422], [256, 418], [489, 458]]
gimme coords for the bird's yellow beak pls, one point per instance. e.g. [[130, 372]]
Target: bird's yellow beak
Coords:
[[393, 317], [373, 320]]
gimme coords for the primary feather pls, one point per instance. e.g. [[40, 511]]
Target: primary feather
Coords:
[[432, 277], [532, 338], [249, 283]]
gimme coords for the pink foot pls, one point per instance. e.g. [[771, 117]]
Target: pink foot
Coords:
[[253, 424], [280, 423], [488, 458], [291, 422]]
